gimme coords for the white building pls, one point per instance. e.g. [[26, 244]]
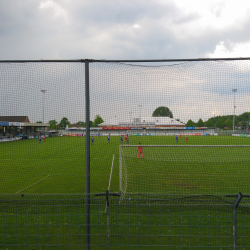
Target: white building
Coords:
[[151, 126], [143, 122]]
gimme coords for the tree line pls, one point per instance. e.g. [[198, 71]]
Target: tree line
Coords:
[[53, 124], [225, 121], [209, 123]]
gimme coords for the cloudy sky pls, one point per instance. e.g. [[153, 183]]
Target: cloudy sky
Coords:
[[122, 29]]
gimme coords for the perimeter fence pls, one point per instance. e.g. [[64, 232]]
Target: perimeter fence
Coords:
[[138, 222], [52, 184]]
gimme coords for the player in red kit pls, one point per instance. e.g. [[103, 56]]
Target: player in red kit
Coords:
[[139, 150], [186, 138]]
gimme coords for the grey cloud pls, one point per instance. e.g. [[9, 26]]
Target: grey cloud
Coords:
[[218, 12], [239, 32], [101, 12], [103, 29], [17, 17]]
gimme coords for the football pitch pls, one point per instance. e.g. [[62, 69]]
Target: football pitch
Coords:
[[57, 166], [40, 208]]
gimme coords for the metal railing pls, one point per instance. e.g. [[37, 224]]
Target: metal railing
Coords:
[[130, 222]]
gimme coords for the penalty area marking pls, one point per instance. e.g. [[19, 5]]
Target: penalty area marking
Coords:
[[33, 184]]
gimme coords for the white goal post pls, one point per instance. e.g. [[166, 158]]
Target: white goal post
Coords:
[[184, 169]]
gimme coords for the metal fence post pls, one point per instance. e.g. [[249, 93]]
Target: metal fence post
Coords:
[[87, 180], [107, 207], [107, 202], [235, 205]]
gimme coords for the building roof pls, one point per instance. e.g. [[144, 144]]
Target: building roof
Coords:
[[161, 120], [76, 125], [14, 119], [144, 121]]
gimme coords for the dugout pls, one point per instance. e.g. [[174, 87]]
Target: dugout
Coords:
[[20, 126]]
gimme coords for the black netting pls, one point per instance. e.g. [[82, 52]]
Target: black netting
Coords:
[[161, 197]]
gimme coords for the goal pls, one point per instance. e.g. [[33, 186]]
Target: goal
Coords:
[[185, 169]]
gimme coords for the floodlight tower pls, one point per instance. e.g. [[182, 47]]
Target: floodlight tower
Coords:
[[140, 107], [130, 113], [43, 91], [234, 90]]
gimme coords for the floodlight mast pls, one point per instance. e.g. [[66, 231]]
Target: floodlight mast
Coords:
[[130, 113], [43, 91], [234, 90], [140, 107]]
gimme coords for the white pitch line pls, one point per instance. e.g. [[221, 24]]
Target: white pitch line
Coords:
[[33, 184]]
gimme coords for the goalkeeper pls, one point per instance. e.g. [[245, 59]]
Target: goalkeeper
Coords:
[[139, 150]]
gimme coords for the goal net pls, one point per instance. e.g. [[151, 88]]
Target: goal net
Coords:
[[185, 169]]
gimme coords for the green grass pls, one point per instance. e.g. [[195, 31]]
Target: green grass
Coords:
[[38, 183], [194, 170], [57, 166]]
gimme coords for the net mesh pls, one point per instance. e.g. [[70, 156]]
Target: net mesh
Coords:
[[201, 103], [38, 102], [124, 100]]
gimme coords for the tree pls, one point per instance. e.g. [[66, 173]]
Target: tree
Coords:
[[53, 124], [229, 123], [179, 120], [219, 124], [91, 124], [98, 120], [200, 123], [64, 122], [81, 123], [190, 123], [210, 123], [39, 122], [162, 111]]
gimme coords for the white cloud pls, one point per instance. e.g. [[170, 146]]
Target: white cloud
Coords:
[[236, 50], [57, 10], [217, 14], [120, 29], [136, 26]]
